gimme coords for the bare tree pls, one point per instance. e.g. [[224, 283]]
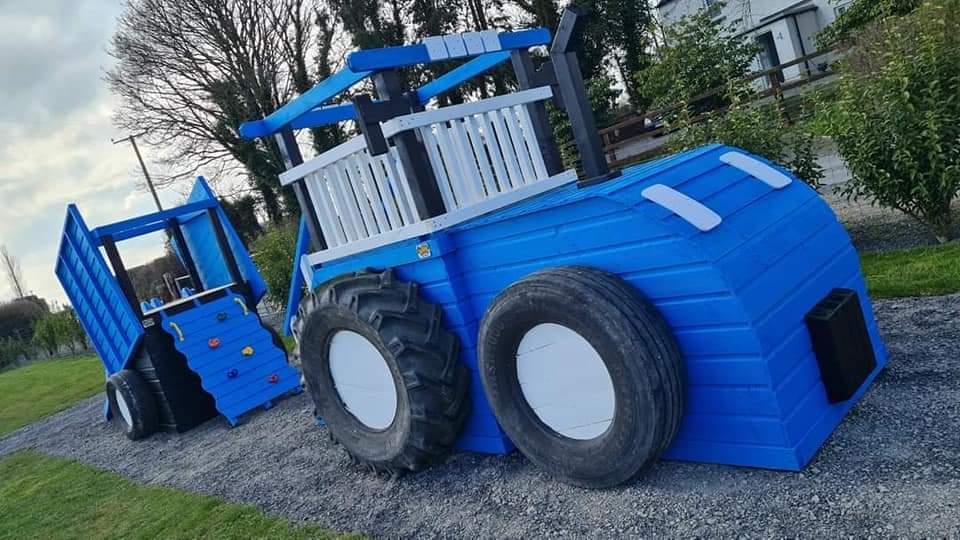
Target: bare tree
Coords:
[[11, 267], [189, 72]]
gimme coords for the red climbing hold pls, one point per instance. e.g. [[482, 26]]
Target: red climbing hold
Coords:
[[213, 343], [273, 379]]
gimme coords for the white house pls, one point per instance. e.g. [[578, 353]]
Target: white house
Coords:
[[785, 29]]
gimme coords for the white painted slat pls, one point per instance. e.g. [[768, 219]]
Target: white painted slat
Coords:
[[444, 221], [389, 201], [509, 155], [757, 169], [393, 176], [476, 141], [405, 185], [526, 165], [694, 212], [474, 42], [493, 148], [352, 171], [455, 45], [345, 204], [491, 40], [335, 205], [357, 206], [433, 152], [468, 164], [329, 222], [362, 163], [436, 49], [530, 136], [445, 114], [455, 171], [333, 155]]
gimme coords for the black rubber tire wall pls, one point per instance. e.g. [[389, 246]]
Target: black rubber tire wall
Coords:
[[143, 364], [636, 346], [432, 383], [140, 401]]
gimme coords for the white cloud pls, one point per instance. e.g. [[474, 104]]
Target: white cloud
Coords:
[[55, 135]]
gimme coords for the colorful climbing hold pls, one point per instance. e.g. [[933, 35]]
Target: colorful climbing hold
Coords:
[[273, 379], [247, 351], [213, 343], [222, 316], [233, 373]]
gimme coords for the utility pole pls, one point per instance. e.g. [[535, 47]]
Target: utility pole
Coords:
[[136, 150]]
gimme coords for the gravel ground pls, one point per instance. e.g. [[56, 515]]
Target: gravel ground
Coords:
[[875, 229], [891, 469]]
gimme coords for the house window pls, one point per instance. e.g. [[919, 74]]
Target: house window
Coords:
[[708, 3], [841, 8]]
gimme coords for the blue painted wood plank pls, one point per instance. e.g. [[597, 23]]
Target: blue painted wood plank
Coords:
[[409, 55], [461, 74], [149, 219], [297, 280], [324, 91]]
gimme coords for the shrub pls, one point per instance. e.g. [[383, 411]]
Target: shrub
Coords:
[[759, 129], [698, 56], [11, 350], [273, 253], [57, 330], [896, 116], [859, 15]]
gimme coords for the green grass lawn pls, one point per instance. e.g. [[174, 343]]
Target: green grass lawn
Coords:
[[43, 388], [914, 272], [44, 497]]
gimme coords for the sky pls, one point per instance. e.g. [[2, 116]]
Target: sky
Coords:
[[55, 131]]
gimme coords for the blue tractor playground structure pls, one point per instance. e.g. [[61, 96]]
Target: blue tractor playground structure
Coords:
[[173, 365], [455, 287]]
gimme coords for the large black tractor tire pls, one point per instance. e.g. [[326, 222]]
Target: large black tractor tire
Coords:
[[432, 385], [636, 347], [132, 404]]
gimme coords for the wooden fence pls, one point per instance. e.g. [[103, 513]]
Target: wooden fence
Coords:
[[635, 129]]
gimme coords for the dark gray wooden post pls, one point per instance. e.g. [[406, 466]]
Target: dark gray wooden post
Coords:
[[528, 78], [173, 227], [120, 271], [290, 152], [413, 155], [574, 95]]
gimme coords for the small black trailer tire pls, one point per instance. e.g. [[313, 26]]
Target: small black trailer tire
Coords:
[[132, 404], [415, 360], [587, 315]]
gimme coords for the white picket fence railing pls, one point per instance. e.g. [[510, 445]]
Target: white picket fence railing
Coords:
[[479, 151]]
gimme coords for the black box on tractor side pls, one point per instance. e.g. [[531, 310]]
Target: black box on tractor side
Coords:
[[842, 343]]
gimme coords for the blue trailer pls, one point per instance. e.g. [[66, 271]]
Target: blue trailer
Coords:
[[455, 287], [173, 365]]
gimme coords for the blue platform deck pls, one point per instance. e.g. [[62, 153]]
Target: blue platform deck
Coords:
[[735, 296]]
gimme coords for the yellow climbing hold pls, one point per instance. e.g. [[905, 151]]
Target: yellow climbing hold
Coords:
[[247, 351]]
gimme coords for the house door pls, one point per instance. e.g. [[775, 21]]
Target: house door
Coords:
[[768, 52]]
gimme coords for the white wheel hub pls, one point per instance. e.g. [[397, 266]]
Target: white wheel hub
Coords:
[[363, 379], [565, 381], [124, 408]]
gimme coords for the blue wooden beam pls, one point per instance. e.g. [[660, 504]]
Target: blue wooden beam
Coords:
[[332, 114], [461, 74], [311, 99], [408, 55], [324, 116], [114, 229], [139, 231]]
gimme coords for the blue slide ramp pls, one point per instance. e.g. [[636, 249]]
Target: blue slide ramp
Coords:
[[237, 359]]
